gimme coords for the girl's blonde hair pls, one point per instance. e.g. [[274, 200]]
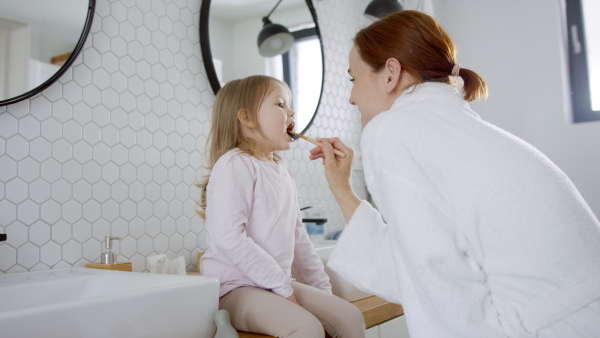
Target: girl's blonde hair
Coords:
[[226, 133]]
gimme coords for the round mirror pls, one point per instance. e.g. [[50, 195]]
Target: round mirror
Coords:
[[39, 39], [229, 31]]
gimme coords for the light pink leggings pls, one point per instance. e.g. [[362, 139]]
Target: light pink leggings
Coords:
[[261, 311]]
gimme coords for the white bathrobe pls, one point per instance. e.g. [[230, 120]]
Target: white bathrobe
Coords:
[[481, 236]]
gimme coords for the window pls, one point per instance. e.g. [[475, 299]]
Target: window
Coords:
[[302, 69], [584, 58]]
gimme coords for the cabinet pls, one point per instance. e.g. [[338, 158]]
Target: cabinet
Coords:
[[393, 328]]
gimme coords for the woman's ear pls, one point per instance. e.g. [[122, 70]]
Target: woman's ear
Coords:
[[245, 118], [393, 71]]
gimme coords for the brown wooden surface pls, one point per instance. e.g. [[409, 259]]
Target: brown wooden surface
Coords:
[[117, 266]]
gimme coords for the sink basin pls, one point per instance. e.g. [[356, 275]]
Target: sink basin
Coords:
[[81, 302], [339, 286]]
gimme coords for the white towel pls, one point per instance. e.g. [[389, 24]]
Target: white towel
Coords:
[[161, 264]]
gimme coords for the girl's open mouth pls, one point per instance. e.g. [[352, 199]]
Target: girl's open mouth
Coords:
[[290, 128]]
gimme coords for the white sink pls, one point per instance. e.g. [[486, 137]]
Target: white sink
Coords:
[[339, 286], [81, 302]]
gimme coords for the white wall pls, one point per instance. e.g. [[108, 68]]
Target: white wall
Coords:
[[517, 47]]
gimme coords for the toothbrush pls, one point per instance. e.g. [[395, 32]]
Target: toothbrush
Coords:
[[315, 142]]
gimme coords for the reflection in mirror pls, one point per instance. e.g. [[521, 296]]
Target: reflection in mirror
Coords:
[[229, 30], [39, 39]]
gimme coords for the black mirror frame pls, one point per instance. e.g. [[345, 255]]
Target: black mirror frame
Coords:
[[82, 38], [210, 67]]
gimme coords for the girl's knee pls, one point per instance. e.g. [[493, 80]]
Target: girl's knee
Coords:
[[307, 326]]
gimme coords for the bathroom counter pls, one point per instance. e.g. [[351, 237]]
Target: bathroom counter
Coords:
[[374, 309]]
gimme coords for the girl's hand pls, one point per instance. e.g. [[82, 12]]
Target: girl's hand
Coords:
[[293, 299], [338, 172]]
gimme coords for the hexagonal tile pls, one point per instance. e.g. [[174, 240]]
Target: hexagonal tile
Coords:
[[29, 170], [40, 149], [72, 251], [82, 191], [29, 127], [42, 107], [190, 241], [62, 151], [101, 153], [145, 245], [119, 192], [91, 249], [39, 191], [17, 234], [92, 211], [82, 231], [101, 191], [128, 247], [61, 231], [110, 62], [28, 212], [51, 170], [9, 257], [16, 190], [28, 255], [176, 242], [82, 152], [9, 169], [50, 253], [110, 210], [72, 171], [61, 191], [119, 228], [72, 93], [39, 233], [92, 96], [71, 211], [100, 229], [92, 134], [161, 243], [92, 172], [17, 147]]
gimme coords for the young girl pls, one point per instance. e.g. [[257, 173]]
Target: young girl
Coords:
[[255, 231]]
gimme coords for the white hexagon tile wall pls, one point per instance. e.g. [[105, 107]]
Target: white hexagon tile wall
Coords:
[[117, 144]]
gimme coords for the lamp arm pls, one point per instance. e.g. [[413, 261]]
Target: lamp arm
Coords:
[[273, 10]]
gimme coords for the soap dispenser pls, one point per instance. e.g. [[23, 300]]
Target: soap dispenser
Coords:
[[108, 259]]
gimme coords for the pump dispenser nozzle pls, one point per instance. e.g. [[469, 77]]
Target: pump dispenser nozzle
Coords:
[[108, 256]]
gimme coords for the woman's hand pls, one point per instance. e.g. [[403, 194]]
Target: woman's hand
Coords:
[[338, 172]]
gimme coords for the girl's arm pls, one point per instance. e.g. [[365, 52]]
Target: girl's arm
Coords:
[[307, 262]]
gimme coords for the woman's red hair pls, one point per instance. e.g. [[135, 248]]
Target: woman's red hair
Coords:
[[422, 47]]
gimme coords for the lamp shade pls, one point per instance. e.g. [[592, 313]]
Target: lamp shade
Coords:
[[274, 39], [379, 8]]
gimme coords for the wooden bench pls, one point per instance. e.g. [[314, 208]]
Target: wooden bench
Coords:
[[374, 309]]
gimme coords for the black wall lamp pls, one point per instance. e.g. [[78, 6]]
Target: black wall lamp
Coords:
[[379, 8], [274, 39]]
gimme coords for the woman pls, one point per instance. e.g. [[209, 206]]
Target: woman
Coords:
[[477, 234]]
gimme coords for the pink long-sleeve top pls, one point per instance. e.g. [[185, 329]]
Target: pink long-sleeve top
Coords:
[[255, 231]]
